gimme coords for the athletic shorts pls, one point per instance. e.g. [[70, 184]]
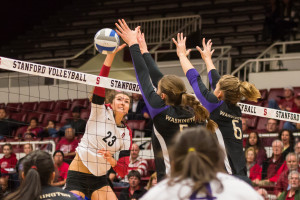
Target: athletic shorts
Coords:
[[85, 183]]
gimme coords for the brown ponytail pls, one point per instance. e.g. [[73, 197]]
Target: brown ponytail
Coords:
[[201, 113], [234, 89]]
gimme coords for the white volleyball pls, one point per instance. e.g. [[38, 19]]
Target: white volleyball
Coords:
[[106, 41]]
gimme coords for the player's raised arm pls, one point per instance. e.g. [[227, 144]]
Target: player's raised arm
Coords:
[[154, 72], [206, 55]]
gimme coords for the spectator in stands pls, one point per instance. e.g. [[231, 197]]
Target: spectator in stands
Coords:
[[292, 163], [273, 166], [51, 130], [263, 192], [255, 142], [245, 128], [287, 139], [27, 149], [286, 103], [296, 109], [253, 169], [135, 111], [68, 144], [272, 126], [134, 191], [76, 123], [293, 192], [61, 169], [152, 181], [33, 129], [7, 125], [297, 149], [135, 163], [38, 173], [9, 161]]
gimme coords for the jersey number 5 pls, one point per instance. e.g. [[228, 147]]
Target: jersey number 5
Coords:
[[112, 141], [237, 130]]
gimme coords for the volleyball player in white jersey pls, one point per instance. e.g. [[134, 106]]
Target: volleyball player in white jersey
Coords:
[[197, 171], [105, 135]]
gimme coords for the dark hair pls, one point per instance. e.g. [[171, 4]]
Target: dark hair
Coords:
[[277, 121], [196, 155], [113, 93], [292, 139], [134, 173], [35, 119], [175, 89], [76, 109], [52, 122], [58, 151], [258, 143], [38, 168], [9, 145]]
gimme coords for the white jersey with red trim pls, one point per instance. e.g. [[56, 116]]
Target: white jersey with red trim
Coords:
[[102, 133]]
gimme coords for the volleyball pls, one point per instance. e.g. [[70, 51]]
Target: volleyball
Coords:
[[106, 41]]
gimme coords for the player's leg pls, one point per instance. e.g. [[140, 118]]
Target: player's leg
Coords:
[[104, 193]]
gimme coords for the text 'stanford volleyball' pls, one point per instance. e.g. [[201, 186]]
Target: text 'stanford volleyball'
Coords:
[[106, 41]]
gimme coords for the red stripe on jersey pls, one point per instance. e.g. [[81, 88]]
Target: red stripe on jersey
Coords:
[[99, 91]]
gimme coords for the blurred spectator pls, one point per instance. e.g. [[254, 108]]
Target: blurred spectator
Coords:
[[9, 161], [152, 181], [292, 163], [68, 144], [287, 139], [286, 103], [253, 169], [263, 193], [76, 123], [255, 142], [134, 191], [50, 130], [272, 126], [297, 149], [135, 163], [296, 109], [5, 190], [61, 169], [293, 192], [27, 148], [33, 129], [135, 111], [7, 126], [245, 128], [272, 167]]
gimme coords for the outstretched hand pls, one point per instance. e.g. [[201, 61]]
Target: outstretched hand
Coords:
[[180, 45], [206, 53], [142, 42], [128, 35], [119, 48]]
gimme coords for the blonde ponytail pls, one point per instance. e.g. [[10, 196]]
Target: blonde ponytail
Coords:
[[201, 113], [249, 91]]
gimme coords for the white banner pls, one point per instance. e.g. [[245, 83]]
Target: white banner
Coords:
[[67, 75], [89, 79], [269, 113]]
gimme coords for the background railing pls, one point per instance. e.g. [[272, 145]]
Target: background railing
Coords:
[[271, 54], [157, 32]]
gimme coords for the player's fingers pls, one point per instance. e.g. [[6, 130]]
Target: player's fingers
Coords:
[[212, 51], [174, 42], [121, 24], [199, 49], [208, 42], [184, 40], [203, 43], [125, 24], [119, 27], [119, 33], [188, 52]]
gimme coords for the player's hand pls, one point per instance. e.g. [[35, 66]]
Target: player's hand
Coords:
[[180, 45], [105, 153], [128, 35], [206, 53], [142, 42], [119, 49]]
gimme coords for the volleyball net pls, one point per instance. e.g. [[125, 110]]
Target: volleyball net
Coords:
[[45, 93]]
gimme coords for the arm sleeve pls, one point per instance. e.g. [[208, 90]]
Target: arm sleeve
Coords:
[[154, 72], [142, 168], [207, 98], [214, 78], [153, 101], [99, 92], [122, 164]]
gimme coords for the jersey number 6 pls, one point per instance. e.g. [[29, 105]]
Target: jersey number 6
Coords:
[[237, 130], [113, 139]]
